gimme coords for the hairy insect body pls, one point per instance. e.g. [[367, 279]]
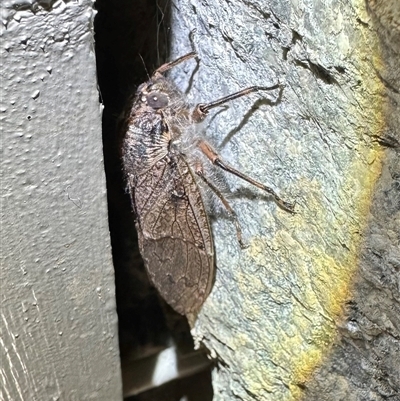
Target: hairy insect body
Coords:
[[166, 164], [173, 227]]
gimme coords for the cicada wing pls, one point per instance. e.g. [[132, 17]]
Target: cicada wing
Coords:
[[174, 234]]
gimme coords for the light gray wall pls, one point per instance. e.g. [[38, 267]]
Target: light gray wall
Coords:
[[58, 318]]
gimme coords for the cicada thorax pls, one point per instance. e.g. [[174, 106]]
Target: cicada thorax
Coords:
[[146, 141], [159, 116]]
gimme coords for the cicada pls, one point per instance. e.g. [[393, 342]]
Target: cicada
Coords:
[[173, 174]]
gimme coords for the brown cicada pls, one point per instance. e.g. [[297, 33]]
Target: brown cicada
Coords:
[[171, 176]]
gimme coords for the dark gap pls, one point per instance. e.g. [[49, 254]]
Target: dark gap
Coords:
[[318, 71], [285, 51], [194, 388], [296, 37], [340, 69], [387, 140], [131, 39]]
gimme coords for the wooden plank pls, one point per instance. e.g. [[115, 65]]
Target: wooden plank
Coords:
[[58, 318]]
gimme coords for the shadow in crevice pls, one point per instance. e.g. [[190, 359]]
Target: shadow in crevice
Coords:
[[257, 104], [131, 39]]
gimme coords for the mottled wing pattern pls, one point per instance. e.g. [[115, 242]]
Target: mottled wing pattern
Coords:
[[174, 234]]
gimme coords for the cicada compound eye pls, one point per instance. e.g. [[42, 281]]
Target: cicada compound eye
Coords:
[[157, 100]]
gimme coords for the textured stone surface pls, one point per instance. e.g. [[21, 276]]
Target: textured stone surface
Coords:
[[277, 307], [59, 324], [364, 363]]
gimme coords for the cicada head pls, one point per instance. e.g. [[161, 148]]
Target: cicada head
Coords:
[[159, 94]]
